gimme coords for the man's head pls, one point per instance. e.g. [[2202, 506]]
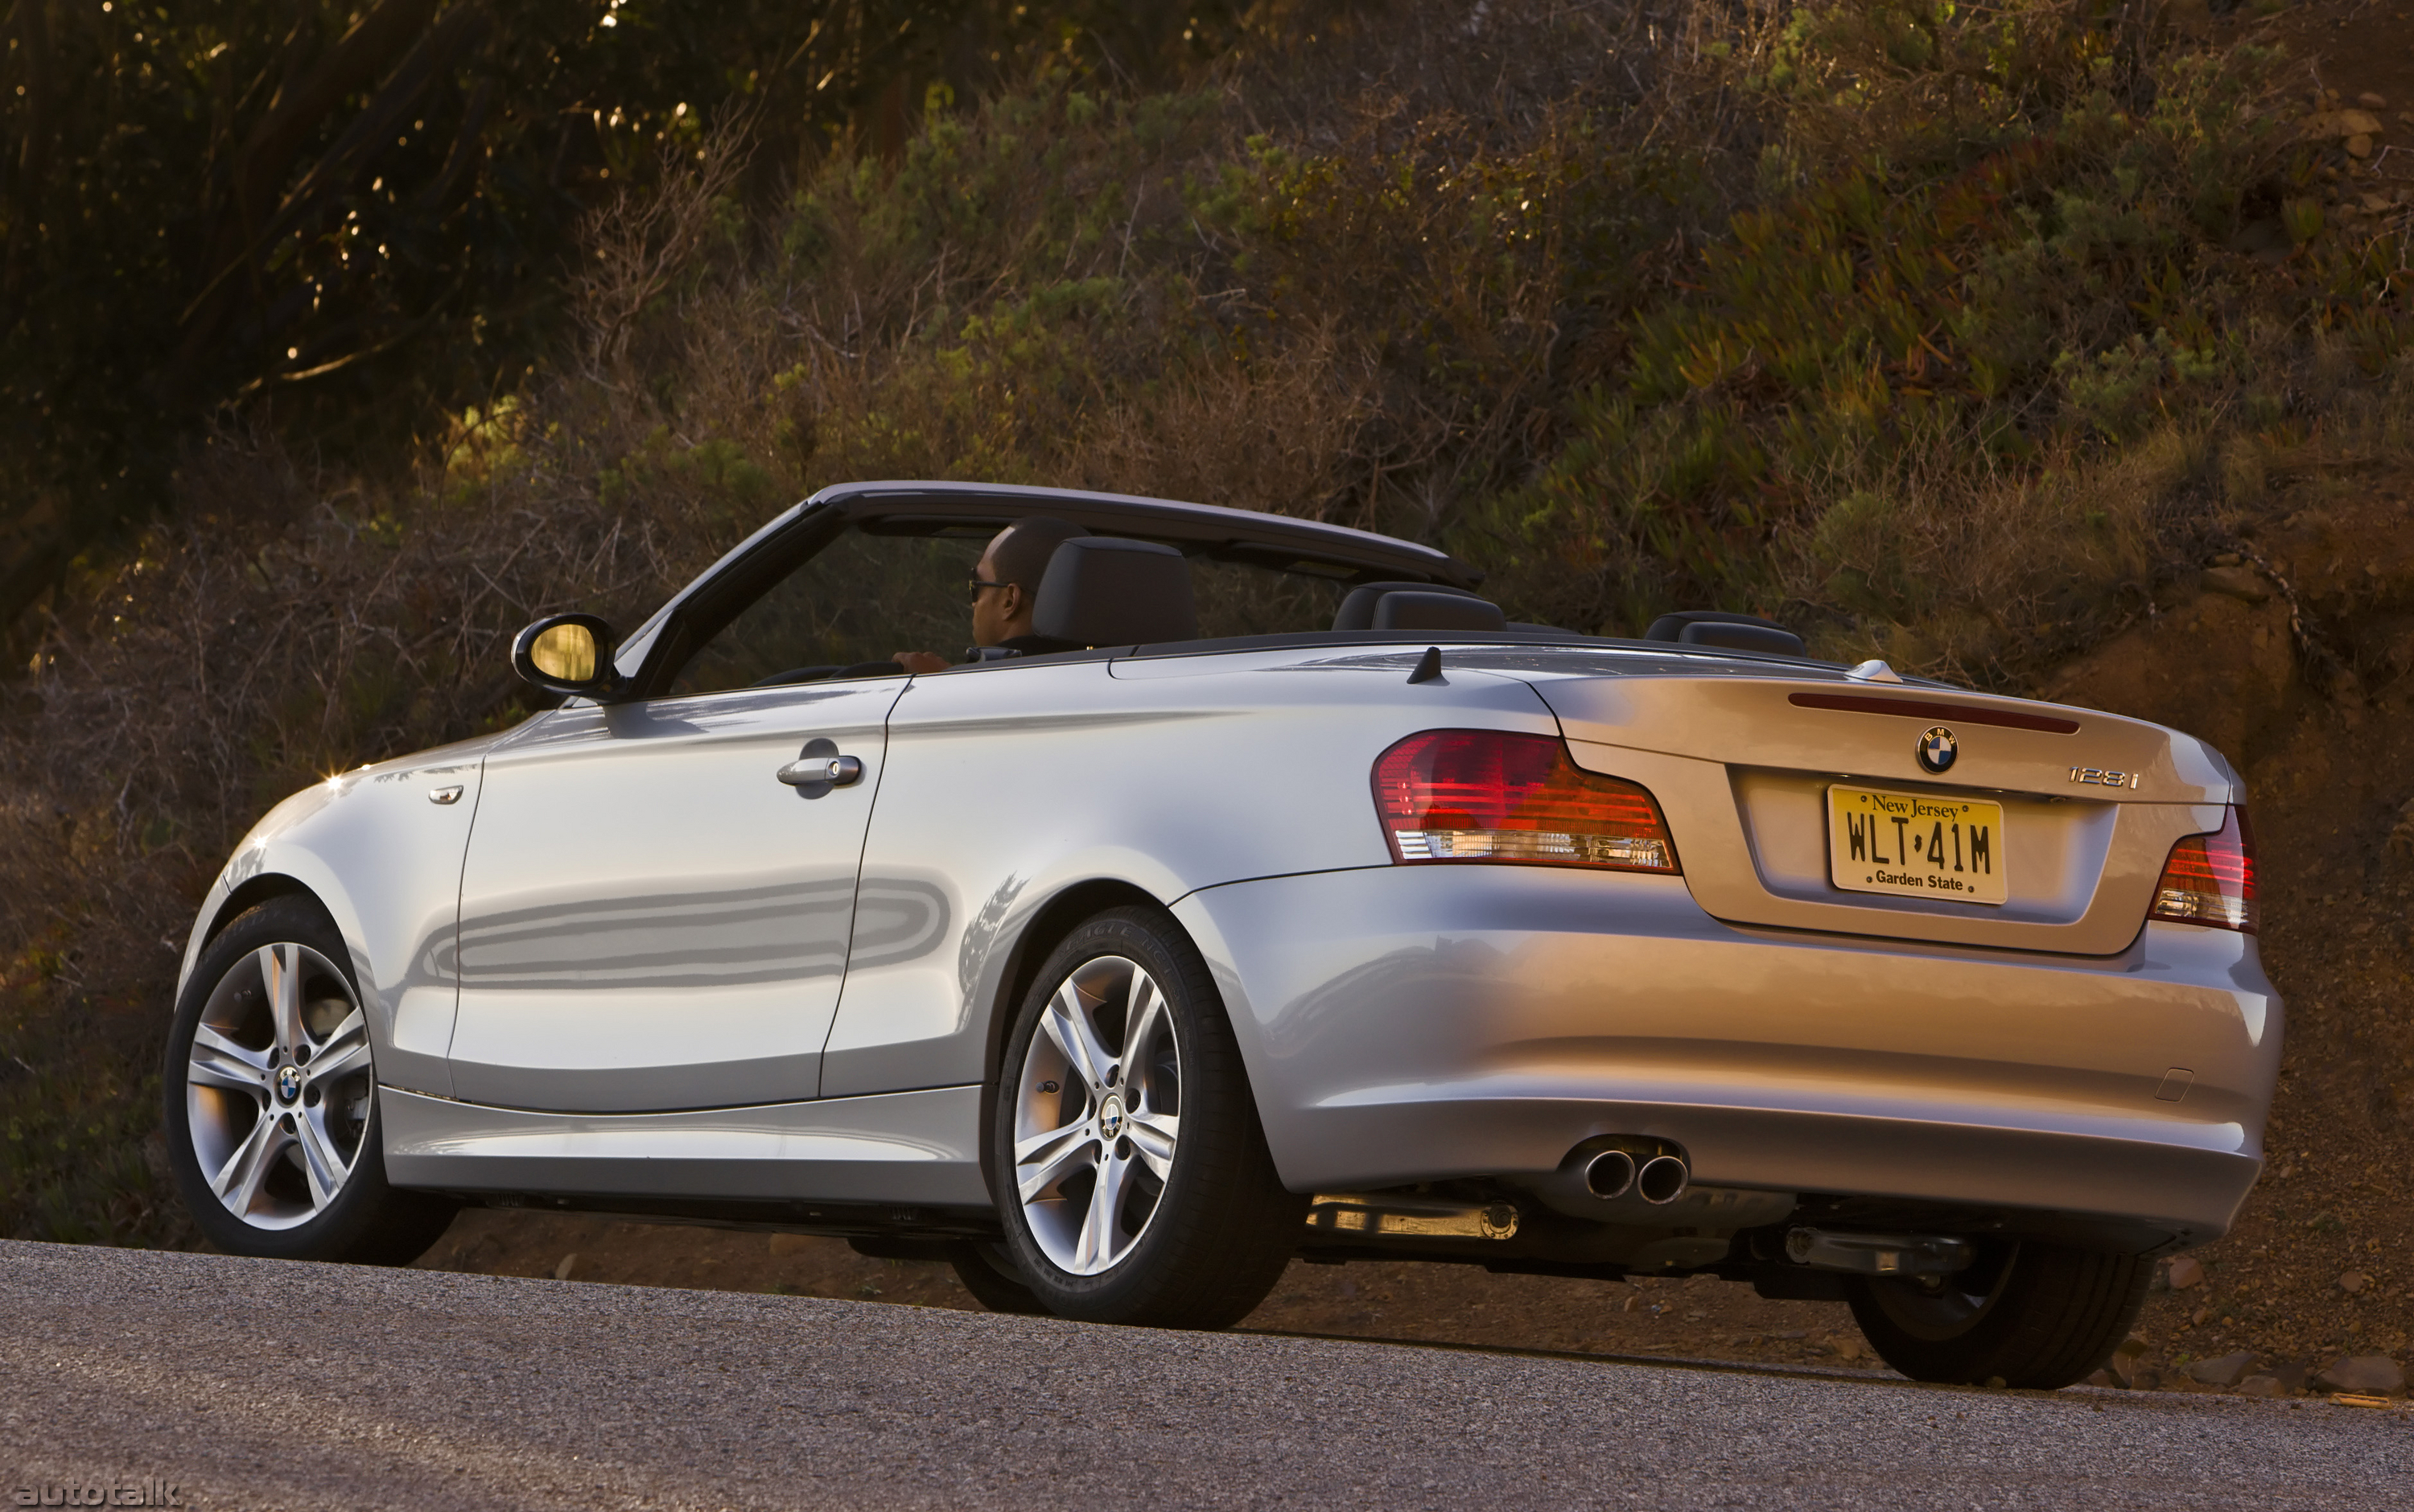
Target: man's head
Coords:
[[1007, 578]]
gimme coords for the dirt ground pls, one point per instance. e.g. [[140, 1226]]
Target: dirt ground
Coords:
[[2352, 47], [2320, 719], [1701, 1318]]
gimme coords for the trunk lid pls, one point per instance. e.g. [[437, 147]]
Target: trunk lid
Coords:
[[2072, 811]]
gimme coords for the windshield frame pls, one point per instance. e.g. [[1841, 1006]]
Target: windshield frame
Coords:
[[652, 656]]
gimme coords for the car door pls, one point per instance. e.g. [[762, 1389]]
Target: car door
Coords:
[[651, 918]]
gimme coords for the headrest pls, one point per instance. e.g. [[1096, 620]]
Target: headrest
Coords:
[[1729, 631], [1357, 612], [1416, 609], [1106, 591]]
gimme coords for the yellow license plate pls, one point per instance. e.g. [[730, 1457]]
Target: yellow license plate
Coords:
[[1915, 845]]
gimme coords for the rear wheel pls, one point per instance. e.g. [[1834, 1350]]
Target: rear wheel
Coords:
[[1134, 1179], [2033, 1316], [270, 1099]]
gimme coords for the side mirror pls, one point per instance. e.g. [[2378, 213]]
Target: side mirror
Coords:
[[568, 654]]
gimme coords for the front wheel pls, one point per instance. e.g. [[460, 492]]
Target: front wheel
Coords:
[[271, 1101], [2033, 1316], [1132, 1174]]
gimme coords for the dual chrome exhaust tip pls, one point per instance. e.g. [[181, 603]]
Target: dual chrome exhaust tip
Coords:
[[1656, 1179], [1620, 1178]]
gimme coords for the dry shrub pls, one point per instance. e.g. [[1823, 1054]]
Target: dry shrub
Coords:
[[641, 247], [1283, 433], [1976, 575]]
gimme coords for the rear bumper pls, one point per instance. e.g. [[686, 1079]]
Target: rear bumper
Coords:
[[1427, 1022]]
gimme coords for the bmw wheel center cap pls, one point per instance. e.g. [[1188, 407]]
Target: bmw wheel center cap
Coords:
[[1937, 749], [288, 1084]]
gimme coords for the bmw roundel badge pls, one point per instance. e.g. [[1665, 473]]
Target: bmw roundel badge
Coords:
[[1937, 749]]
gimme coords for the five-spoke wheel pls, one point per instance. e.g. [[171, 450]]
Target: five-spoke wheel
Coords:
[[1097, 1115], [278, 1086], [1131, 1173], [270, 1099]]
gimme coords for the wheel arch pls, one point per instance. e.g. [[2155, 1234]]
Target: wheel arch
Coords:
[[1055, 919], [251, 894], [219, 911]]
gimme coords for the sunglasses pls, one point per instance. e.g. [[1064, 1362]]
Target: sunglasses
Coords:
[[977, 583]]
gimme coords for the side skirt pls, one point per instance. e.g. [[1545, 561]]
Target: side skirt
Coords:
[[894, 1148]]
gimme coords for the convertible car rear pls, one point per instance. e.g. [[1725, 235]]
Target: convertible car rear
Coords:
[[1283, 899]]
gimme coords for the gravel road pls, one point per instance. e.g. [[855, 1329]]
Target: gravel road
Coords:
[[259, 1383]]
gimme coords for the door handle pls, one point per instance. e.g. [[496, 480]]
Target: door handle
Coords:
[[815, 770]]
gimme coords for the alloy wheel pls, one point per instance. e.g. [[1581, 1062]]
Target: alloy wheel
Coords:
[[1098, 1113], [278, 1088]]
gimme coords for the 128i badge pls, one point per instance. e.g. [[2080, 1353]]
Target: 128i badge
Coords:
[[2103, 777]]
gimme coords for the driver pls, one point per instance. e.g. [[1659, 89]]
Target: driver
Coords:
[[1005, 586]]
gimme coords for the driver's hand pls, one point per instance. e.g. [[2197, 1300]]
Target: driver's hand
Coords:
[[921, 661]]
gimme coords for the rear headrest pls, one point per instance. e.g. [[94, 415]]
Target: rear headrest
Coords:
[[1729, 631], [1106, 591], [1415, 610], [1357, 612]]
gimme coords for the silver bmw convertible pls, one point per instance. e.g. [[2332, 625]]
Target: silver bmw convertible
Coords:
[[1252, 890]]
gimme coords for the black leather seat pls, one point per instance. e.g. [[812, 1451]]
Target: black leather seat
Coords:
[[1108, 590]]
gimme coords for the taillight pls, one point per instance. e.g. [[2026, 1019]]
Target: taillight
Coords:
[[1456, 795], [2209, 879]]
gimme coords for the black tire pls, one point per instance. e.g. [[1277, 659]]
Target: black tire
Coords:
[[1203, 1243], [984, 1270], [365, 1220], [2033, 1316]]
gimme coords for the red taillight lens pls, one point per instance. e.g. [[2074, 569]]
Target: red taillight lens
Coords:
[[1456, 795], [2209, 879]]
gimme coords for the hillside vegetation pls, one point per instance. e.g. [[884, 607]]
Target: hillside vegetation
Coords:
[[341, 215], [1951, 334]]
